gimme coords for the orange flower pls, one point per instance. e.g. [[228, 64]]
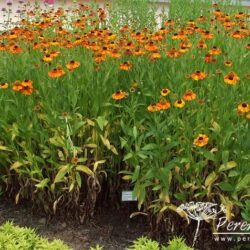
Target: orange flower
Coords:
[[218, 12], [207, 35], [151, 46], [153, 108], [138, 52], [201, 140], [54, 53], [239, 15], [174, 53], [237, 35], [202, 18], [125, 28], [215, 51], [56, 72], [73, 65], [15, 49], [47, 58], [165, 92], [54, 43], [231, 78], [17, 86], [209, 59], [248, 116], [198, 75], [169, 23], [189, 95], [179, 36], [26, 87], [243, 108], [179, 103], [228, 63], [184, 49], [126, 66], [201, 45], [115, 53], [128, 45], [163, 105], [3, 47], [119, 95], [4, 85], [155, 55]]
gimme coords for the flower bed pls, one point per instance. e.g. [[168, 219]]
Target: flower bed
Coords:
[[95, 100]]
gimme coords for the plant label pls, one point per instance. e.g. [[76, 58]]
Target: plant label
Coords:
[[128, 196]]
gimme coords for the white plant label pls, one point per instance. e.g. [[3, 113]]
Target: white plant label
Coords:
[[128, 196]]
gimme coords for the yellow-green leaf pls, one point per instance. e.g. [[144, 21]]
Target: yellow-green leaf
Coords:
[[97, 163], [91, 123], [71, 187], [228, 204], [127, 177], [211, 178], [84, 169], [16, 165], [4, 148], [91, 145], [61, 173], [229, 165], [43, 183]]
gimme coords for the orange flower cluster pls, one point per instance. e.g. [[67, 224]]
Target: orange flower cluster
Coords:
[[164, 104], [89, 31], [25, 87]]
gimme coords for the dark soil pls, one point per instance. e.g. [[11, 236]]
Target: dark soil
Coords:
[[110, 228]]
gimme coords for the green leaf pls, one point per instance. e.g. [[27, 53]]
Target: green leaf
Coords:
[[78, 180], [227, 166], [97, 163], [84, 169], [127, 177], [90, 123], [102, 122], [127, 156], [225, 156], [61, 173], [216, 127], [16, 165], [123, 142], [150, 146], [142, 156], [225, 186], [244, 183], [43, 183], [210, 156], [57, 141], [136, 173], [211, 178], [4, 148], [135, 132], [180, 196], [233, 173]]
